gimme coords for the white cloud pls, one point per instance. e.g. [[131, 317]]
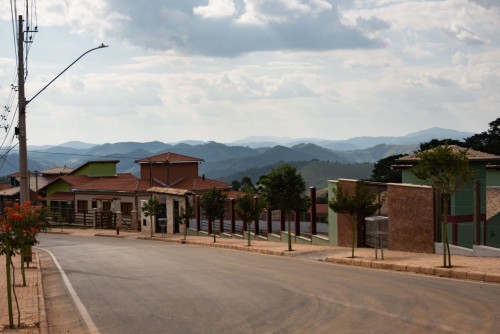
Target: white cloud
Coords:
[[417, 52], [223, 70], [464, 34], [216, 9]]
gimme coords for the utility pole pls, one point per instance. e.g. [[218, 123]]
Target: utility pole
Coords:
[[23, 154]]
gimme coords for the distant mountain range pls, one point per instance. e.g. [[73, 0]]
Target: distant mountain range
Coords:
[[250, 156]]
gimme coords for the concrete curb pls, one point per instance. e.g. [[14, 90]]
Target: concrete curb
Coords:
[[375, 264], [42, 312], [436, 271]]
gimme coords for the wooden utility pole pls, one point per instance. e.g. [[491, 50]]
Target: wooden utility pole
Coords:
[[23, 154]]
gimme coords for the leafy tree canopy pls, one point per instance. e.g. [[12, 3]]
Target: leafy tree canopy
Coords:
[[443, 168], [438, 142], [487, 141], [383, 172], [283, 188]]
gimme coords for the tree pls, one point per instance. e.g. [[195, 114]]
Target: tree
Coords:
[[487, 141], [438, 142], [446, 170], [246, 183], [236, 185], [249, 208], [212, 204], [360, 204], [184, 215], [18, 232], [283, 188], [383, 171], [151, 208]]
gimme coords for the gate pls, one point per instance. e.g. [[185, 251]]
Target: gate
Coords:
[[105, 219]]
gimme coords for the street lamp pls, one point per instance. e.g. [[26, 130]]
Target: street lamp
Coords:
[[77, 59], [23, 154]]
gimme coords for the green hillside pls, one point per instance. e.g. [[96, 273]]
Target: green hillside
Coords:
[[315, 173]]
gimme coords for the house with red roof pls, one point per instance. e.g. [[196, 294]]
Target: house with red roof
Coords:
[[179, 179]]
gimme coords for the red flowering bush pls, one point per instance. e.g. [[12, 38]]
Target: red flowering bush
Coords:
[[19, 226]]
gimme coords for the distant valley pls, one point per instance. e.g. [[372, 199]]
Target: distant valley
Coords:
[[318, 160]]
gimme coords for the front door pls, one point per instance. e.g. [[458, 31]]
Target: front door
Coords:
[[161, 219], [176, 217]]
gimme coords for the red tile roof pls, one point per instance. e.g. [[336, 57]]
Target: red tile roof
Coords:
[[169, 157], [57, 170], [60, 196], [114, 184], [198, 184], [18, 174], [5, 185], [471, 155]]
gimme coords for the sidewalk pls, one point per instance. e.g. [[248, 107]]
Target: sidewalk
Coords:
[[32, 303], [30, 298]]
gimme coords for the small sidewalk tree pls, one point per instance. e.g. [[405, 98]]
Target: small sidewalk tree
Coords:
[[283, 188], [151, 208], [446, 171], [249, 208], [184, 215], [18, 232], [360, 204], [212, 204]]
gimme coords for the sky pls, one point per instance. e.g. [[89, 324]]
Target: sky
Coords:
[[224, 70]]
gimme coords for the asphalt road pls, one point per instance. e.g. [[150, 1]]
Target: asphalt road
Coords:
[[136, 286]]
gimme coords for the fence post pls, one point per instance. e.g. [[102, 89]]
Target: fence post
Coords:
[[269, 216], [134, 220], [233, 217], [197, 206], [119, 219], [256, 222], [312, 191], [282, 221], [94, 217]]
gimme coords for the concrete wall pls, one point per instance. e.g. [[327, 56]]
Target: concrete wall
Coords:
[[411, 218]]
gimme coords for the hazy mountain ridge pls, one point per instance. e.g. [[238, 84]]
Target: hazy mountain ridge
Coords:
[[223, 160]]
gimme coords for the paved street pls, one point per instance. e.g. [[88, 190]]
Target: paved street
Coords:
[[138, 286]]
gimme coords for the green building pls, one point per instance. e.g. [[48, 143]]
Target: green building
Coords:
[[461, 207]]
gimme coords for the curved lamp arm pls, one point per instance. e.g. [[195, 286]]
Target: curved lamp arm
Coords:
[[77, 59]]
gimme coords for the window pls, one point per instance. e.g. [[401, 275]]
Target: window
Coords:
[[106, 206], [82, 206], [126, 208]]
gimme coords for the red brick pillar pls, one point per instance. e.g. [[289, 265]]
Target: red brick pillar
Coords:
[[197, 207], [282, 221], [312, 210], [256, 222], [233, 216], [269, 219], [296, 219]]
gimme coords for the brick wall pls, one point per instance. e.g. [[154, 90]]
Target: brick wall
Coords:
[[411, 218]]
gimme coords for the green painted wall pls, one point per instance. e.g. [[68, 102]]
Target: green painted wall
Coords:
[[493, 177], [493, 232], [58, 185], [97, 169]]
